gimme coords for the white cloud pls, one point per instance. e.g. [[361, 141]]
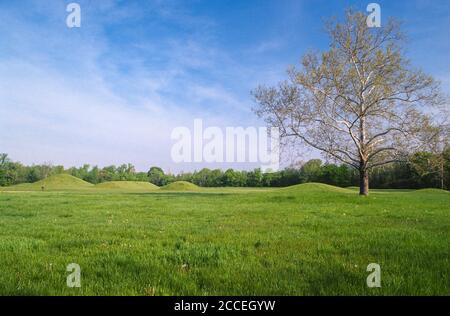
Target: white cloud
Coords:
[[65, 97]]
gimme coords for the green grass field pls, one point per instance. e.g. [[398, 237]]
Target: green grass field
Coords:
[[309, 239]]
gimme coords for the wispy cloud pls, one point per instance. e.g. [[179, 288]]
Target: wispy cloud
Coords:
[[74, 96], [111, 91]]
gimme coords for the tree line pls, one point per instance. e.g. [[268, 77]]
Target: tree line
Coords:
[[423, 170]]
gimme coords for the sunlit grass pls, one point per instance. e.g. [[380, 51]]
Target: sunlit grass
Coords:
[[305, 240]]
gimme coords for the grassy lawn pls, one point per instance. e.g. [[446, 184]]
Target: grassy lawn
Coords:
[[304, 240]]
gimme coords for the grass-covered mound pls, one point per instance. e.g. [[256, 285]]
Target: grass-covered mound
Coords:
[[181, 186], [127, 185], [315, 187], [53, 183]]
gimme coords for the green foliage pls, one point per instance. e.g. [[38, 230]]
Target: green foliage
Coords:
[[127, 186], [156, 176], [433, 169]]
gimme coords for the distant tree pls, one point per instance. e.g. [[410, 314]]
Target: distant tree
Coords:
[[82, 172], [156, 176], [125, 172], [107, 173], [336, 175], [58, 169], [141, 176], [93, 175], [311, 170], [202, 177], [254, 178], [216, 179], [271, 179], [33, 175], [360, 102], [4, 159], [233, 178], [45, 170], [10, 172], [432, 161]]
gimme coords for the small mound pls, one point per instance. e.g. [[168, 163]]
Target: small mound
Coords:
[[53, 183], [310, 187], [431, 190], [181, 186], [127, 185]]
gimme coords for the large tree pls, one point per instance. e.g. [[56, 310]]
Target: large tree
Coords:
[[360, 102]]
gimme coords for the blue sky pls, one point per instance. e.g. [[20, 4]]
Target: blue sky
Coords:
[[111, 91]]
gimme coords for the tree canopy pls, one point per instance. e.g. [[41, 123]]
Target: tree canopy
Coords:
[[361, 102]]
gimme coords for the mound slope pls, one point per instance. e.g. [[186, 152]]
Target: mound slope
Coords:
[[310, 187], [127, 185], [54, 183], [181, 186]]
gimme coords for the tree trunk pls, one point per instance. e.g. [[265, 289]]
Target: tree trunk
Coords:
[[363, 172], [363, 181]]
